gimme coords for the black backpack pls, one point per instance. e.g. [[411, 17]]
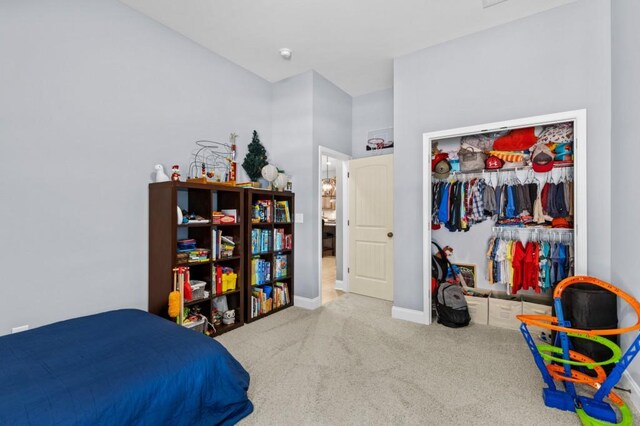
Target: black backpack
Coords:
[[451, 306]]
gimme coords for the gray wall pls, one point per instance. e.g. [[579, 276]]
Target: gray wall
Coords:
[[292, 151], [332, 109], [308, 111], [370, 112], [93, 95], [554, 61], [625, 152]]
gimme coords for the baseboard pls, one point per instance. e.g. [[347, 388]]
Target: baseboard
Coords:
[[628, 382], [306, 303], [340, 285], [408, 315]]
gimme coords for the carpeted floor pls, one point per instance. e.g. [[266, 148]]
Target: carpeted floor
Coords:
[[348, 363]]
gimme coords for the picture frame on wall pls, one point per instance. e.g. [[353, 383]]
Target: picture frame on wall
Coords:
[[380, 141], [467, 274]]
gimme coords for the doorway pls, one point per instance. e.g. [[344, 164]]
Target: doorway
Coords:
[[332, 224]]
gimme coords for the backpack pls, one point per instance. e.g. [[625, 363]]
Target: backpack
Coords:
[[451, 306], [439, 266]]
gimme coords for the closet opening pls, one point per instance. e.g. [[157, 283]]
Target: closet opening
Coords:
[[333, 240], [499, 194]]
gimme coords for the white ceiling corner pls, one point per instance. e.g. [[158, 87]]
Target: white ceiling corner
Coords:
[[352, 43]]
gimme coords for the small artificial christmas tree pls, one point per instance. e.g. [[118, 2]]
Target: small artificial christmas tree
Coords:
[[255, 159]]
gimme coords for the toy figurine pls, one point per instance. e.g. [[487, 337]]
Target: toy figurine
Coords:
[[175, 173]]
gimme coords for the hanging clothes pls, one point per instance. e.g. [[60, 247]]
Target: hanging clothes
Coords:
[[459, 205], [537, 265]]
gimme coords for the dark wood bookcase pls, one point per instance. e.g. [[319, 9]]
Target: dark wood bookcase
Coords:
[[252, 196], [164, 233]]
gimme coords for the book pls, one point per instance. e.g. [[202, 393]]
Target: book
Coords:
[[282, 212], [281, 265], [260, 241], [261, 211], [260, 271]]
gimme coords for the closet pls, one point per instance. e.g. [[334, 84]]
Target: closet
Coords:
[[509, 198]]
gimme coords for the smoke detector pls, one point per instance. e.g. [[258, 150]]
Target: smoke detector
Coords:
[[489, 3], [285, 53]]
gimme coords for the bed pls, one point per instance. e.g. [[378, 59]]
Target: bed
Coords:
[[119, 367]]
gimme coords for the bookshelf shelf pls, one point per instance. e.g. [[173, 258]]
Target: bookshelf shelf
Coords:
[[273, 207], [196, 301], [194, 225], [226, 259], [164, 234], [222, 328], [237, 290]]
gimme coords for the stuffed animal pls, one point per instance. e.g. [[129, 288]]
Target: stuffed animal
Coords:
[[229, 317]]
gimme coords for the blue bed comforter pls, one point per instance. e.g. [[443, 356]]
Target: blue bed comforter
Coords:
[[118, 368]]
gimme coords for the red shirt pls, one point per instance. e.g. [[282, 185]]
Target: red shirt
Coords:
[[531, 267], [518, 266]]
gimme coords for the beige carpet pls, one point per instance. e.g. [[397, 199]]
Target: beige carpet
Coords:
[[348, 363]]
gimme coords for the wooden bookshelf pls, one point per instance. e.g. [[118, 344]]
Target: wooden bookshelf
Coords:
[[164, 233], [252, 196]]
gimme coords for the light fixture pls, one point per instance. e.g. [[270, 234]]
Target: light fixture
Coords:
[[326, 184], [285, 53]]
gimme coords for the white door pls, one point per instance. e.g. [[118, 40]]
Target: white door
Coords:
[[371, 226]]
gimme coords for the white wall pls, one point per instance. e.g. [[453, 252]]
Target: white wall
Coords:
[[372, 111], [93, 95], [554, 61], [625, 151]]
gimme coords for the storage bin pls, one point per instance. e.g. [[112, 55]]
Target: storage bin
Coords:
[[478, 304], [503, 310], [197, 288], [537, 306], [196, 325]]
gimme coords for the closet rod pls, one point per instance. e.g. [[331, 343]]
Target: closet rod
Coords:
[[514, 228], [515, 169]]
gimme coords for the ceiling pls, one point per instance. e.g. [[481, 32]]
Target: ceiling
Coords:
[[350, 42]]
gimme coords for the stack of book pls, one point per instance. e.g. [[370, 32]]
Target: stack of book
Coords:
[[260, 271], [261, 301], [282, 241], [188, 252], [282, 212], [261, 211], [260, 240], [281, 266], [280, 294], [223, 245], [199, 255]]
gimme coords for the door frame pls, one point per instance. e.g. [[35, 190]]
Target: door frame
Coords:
[[579, 118], [344, 201]]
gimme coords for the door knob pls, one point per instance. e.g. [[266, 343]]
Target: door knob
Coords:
[[390, 234]]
